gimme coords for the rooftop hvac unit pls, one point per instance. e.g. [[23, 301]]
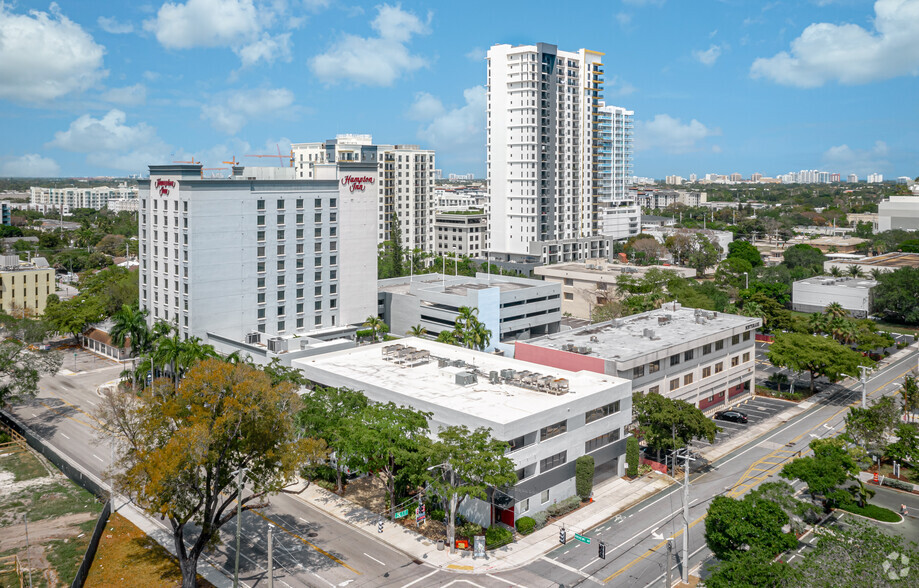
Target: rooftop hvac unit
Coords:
[[649, 333], [508, 374], [253, 338], [442, 362], [594, 339], [459, 363], [493, 377], [465, 378], [583, 350], [276, 345]]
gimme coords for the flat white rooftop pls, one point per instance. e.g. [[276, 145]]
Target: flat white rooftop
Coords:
[[456, 285], [430, 384], [626, 338], [855, 283]]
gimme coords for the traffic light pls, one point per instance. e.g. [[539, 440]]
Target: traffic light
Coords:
[[602, 548], [380, 526], [561, 536]]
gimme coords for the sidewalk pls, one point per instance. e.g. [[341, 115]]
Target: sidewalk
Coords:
[[610, 499]]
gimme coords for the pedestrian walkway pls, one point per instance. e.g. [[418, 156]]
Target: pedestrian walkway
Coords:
[[609, 499]]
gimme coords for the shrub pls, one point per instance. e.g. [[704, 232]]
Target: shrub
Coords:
[[469, 530], [631, 456], [565, 506], [5, 437], [584, 476], [540, 519], [525, 525], [496, 536], [872, 511], [437, 514], [325, 484], [894, 483]]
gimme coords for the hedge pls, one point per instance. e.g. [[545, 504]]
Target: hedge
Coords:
[[584, 476], [496, 536], [565, 506], [540, 519], [632, 456], [894, 483], [526, 525], [872, 511]]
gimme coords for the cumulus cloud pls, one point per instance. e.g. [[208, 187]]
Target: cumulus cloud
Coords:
[[110, 143], [458, 134], [709, 56], [848, 53], [671, 135], [113, 26], [624, 19], [846, 160], [618, 87], [476, 54], [31, 165], [128, 96], [268, 49], [234, 109], [44, 56], [374, 61]]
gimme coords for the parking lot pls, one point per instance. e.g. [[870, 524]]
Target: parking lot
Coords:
[[757, 409]]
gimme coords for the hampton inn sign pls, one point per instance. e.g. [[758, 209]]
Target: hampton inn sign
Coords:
[[356, 182]]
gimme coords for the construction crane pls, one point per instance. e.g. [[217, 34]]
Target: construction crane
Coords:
[[232, 162], [280, 157], [193, 162]]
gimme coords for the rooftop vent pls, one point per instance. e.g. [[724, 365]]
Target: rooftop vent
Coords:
[[465, 378], [253, 338], [276, 345]]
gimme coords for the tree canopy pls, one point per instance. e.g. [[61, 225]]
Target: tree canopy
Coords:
[[805, 257], [746, 251], [817, 355], [733, 527], [666, 423], [824, 472], [894, 297]]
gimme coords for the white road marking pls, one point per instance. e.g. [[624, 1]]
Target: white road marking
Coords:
[[596, 559], [504, 581], [99, 458], [791, 558], [571, 569], [91, 402], [464, 581], [285, 583], [323, 579], [375, 559], [304, 520], [413, 582], [64, 436]]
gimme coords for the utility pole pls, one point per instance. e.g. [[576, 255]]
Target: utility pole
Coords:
[[864, 380], [239, 512], [25, 520], [686, 459], [270, 561], [669, 559]]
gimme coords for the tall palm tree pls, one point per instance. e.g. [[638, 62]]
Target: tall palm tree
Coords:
[[835, 272], [166, 355], [478, 336], [843, 330], [194, 350], [131, 324], [447, 337], [817, 323], [417, 331], [835, 310], [855, 271], [376, 326]]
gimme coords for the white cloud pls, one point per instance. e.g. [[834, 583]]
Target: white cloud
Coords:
[[476, 54], [111, 25], [316, 5], [267, 49], [152, 76], [618, 87], [129, 95], [848, 53], [233, 110], [374, 61], [110, 143], [845, 160], [31, 165], [44, 56], [457, 133], [624, 19], [709, 56], [670, 134]]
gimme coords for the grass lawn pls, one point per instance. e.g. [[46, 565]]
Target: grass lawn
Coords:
[[873, 511], [22, 464], [128, 557], [66, 555], [49, 501]]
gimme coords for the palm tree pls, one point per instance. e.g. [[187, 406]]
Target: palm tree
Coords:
[[855, 271], [843, 330], [167, 353], [466, 317], [817, 322], [131, 324], [910, 391], [755, 310], [447, 337], [194, 350], [237, 358], [876, 273], [478, 337], [417, 331], [376, 326], [835, 310], [835, 272]]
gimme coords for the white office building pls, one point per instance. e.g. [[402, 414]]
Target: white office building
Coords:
[[852, 179], [543, 112], [65, 200], [405, 177], [899, 212], [815, 294], [875, 178], [460, 231], [258, 255], [548, 416], [705, 358]]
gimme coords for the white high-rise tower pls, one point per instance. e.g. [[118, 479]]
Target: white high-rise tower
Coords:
[[543, 143]]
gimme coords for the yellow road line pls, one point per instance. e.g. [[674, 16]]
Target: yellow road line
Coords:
[[651, 551], [78, 408], [319, 549], [58, 412]]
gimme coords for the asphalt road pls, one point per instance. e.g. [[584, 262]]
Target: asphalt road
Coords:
[[311, 549]]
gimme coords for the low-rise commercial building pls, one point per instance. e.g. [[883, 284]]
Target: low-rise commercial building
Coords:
[[511, 308], [548, 416], [705, 358], [830, 244], [899, 212], [886, 262], [815, 294], [590, 284], [460, 231], [24, 288]]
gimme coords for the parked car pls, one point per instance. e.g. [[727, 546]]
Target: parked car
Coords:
[[734, 416]]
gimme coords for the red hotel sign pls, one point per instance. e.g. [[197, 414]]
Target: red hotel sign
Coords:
[[164, 185], [356, 182]]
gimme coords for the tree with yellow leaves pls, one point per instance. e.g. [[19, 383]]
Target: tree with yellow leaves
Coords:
[[179, 450]]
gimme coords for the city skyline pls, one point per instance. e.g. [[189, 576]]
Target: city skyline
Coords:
[[91, 89]]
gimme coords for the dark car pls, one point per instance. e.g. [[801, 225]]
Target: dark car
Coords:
[[734, 416]]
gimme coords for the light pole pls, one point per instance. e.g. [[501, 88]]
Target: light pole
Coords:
[[239, 512], [746, 278], [451, 531], [864, 380]]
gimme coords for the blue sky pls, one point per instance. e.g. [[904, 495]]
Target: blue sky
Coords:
[[105, 88]]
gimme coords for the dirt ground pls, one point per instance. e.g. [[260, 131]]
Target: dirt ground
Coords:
[[370, 493]]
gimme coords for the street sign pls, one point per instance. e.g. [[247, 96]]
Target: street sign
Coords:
[[402, 513], [420, 515], [478, 547], [582, 538]]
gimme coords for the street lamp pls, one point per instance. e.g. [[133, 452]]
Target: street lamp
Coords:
[[864, 380], [451, 531], [746, 277]]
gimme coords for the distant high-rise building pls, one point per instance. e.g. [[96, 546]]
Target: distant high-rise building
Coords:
[[405, 175], [543, 116], [693, 178], [756, 177], [736, 177], [673, 180], [834, 178], [852, 178], [875, 178]]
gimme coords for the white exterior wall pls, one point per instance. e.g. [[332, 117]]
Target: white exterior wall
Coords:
[[814, 296], [46, 199], [621, 222], [899, 212]]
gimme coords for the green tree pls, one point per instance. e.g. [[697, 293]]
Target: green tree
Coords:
[[74, 315], [417, 331], [835, 310], [906, 447], [606, 312], [469, 330], [385, 437], [584, 476], [666, 423], [830, 467], [130, 324], [814, 354], [731, 272], [869, 427], [751, 570], [864, 230], [894, 297], [469, 463], [376, 326], [704, 254], [632, 456], [177, 453], [447, 337], [910, 392], [746, 251], [21, 368], [734, 527], [327, 414], [806, 257]]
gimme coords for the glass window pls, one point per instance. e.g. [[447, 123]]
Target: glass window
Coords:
[[674, 384], [280, 219], [746, 357], [517, 443], [746, 336], [553, 430], [706, 349], [261, 313], [260, 220], [687, 379], [735, 361], [544, 497], [552, 462], [299, 202], [654, 390], [719, 345], [261, 297], [719, 367], [675, 359], [601, 441], [280, 311], [735, 339], [687, 355], [603, 411], [280, 205], [260, 205], [281, 235], [654, 366], [569, 296], [638, 372], [706, 371]]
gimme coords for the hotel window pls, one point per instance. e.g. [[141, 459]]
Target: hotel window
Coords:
[[280, 311], [280, 205], [299, 323], [280, 326], [261, 297], [706, 371], [638, 372], [552, 462], [317, 202], [552, 430], [280, 280], [260, 205], [318, 217], [261, 313], [260, 220], [674, 384], [654, 366], [280, 265], [719, 367], [299, 203], [280, 219], [603, 411], [280, 235], [687, 379], [735, 361]]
